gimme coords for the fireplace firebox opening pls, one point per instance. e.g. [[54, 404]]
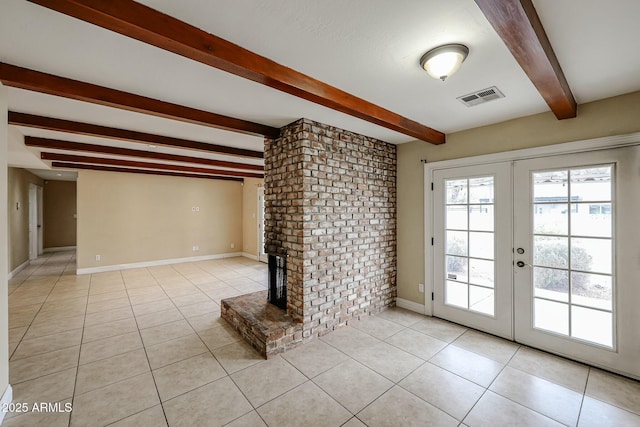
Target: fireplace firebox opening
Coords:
[[278, 281]]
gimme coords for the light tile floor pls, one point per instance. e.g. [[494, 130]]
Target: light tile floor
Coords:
[[146, 347]]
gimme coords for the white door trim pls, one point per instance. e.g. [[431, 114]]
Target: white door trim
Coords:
[[261, 255], [428, 248], [527, 153], [40, 225], [33, 221]]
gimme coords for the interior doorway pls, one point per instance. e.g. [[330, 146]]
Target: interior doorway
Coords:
[[262, 256], [35, 221]]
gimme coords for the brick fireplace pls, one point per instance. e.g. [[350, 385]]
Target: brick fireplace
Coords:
[[330, 209]]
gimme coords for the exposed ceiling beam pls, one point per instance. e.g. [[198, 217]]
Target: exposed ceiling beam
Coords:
[[518, 24], [31, 141], [140, 171], [24, 78], [143, 23], [69, 158], [59, 125]]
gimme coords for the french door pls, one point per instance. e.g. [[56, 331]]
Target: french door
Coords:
[[472, 224], [545, 252]]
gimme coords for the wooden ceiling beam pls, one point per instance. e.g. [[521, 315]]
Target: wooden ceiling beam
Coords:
[[148, 25], [68, 126], [24, 78], [69, 158], [519, 26], [56, 144], [139, 171]]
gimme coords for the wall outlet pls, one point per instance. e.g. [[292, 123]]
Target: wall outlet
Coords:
[[196, 248], [233, 246], [421, 288], [98, 257]]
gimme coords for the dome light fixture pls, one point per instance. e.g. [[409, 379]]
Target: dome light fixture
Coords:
[[441, 62]]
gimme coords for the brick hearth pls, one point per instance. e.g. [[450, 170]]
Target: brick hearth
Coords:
[[266, 327]]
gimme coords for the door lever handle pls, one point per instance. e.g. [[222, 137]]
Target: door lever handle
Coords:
[[522, 264]]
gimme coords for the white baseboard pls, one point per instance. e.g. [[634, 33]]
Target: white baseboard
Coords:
[[60, 249], [18, 269], [106, 268], [7, 397], [248, 255], [410, 305]]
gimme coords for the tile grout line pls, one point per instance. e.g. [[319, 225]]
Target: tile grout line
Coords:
[[79, 351], [486, 389], [615, 405], [508, 398], [365, 366], [428, 361], [144, 348], [39, 309], [75, 384], [195, 333], [584, 394], [34, 317], [247, 398], [125, 379], [309, 379], [51, 290]]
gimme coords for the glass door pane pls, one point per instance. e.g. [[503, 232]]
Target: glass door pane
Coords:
[[572, 238], [469, 220]]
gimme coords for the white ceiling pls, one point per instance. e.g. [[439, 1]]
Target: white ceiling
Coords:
[[369, 48]]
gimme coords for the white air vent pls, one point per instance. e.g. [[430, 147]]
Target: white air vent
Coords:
[[481, 96]]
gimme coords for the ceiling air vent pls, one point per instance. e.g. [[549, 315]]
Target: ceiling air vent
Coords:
[[481, 96]]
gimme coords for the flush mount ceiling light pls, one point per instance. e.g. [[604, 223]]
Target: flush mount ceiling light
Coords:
[[442, 61]]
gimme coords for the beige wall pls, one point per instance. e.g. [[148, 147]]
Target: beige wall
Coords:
[[18, 218], [613, 116], [250, 215], [59, 220], [4, 270], [130, 218]]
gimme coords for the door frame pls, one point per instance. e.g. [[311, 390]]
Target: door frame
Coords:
[[526, 154], [262, 256], [500, 323], [40, 225], [579, 146], [35, 221]]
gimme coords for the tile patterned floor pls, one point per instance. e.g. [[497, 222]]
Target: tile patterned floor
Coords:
[[146, 347]]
